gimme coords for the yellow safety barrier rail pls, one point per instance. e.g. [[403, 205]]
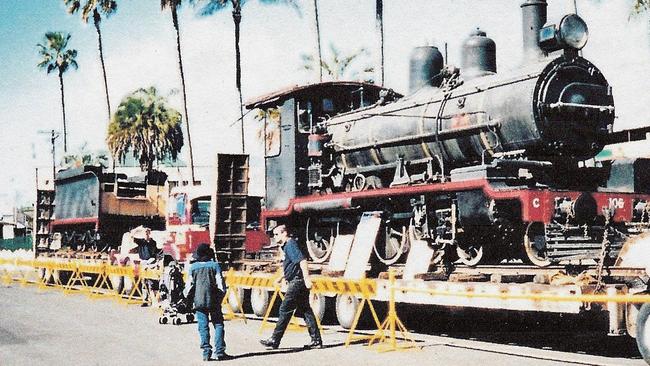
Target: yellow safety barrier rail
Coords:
[[94, 280]]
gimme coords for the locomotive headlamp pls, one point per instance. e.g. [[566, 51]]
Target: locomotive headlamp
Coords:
[[571, 33]]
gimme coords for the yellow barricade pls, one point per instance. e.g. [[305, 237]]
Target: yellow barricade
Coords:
[[134, 295], [5, 273], [100, 286], [233, 283], [363, 289], [24, 270], [386, 335]]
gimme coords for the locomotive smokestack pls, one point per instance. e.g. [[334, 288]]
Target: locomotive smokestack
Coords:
[[533, 19]]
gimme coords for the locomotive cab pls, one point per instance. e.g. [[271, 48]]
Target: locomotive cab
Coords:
[[294, 134]]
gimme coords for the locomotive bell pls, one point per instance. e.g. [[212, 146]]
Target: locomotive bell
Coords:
[[425, 64], [479, 57]]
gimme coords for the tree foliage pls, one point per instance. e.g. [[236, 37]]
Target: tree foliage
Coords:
[[83, 157], [55, 53], [56, 56], [340, 66], [145, 125], [96, 9]]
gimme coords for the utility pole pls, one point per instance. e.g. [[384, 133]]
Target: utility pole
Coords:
[[53, 136]]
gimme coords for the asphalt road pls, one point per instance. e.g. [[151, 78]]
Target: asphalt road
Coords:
[[49, 328]]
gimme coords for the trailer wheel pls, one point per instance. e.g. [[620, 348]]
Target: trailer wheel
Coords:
[[189, 317], [117, 283], [318, 303], [260, 299], [234, 303], [643, 332], [346, 309]]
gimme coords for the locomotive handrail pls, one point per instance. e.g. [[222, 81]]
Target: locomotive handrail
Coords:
[[583, 106]]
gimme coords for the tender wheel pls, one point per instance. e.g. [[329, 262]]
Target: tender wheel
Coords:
[[643, 332], [318, 303], [260, 299], [346, 309], [235, 303], [395, 243], [534, 245], [320, 239]]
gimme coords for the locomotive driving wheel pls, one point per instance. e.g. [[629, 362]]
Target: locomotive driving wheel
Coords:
[[395, 243], [470, 254], [535, 245], [320, 239]]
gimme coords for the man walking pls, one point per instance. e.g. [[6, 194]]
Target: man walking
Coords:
[[206, 291], [296, 274]]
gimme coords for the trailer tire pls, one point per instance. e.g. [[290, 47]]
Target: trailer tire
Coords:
[[260, 299], [318, 303], [346, 309], [643, 332], [235, 304]]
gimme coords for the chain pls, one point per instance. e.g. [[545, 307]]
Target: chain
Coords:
[[604, 250]]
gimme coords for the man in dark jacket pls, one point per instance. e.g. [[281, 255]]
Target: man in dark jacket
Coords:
[[296, 274], [207, 289]]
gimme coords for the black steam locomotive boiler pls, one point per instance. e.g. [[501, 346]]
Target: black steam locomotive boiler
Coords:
[[483, 166]]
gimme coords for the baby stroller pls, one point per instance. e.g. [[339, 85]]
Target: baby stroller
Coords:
[[172, 300]]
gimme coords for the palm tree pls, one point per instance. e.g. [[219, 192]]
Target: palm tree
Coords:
[[212, 6], [640, 6], [96, 8], [145, 125], [341, 66], [83, 157], [173, 6], [379, 17], [57, 57]]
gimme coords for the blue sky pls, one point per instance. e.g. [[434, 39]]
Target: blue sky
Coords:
[[139, 49]]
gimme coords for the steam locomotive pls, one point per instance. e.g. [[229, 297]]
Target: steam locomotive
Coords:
[[483, 166]]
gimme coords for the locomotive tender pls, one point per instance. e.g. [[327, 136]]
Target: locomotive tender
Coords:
[[484, 166]]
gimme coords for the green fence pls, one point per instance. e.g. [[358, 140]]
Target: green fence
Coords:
[[22, 242]]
